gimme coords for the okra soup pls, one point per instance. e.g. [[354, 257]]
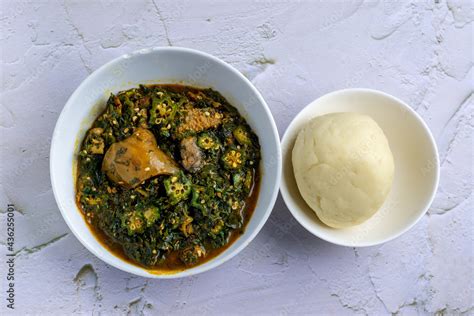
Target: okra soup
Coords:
[[168, 176]]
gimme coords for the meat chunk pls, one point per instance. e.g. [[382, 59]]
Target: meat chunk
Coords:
[[136, 159], [191, 155], [197, 120]]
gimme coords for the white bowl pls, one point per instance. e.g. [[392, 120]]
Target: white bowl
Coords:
[[160, 65], [416, 167]]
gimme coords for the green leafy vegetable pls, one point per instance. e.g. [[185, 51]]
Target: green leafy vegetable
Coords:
[[171, 221]]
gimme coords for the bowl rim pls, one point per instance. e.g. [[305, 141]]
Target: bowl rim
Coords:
[[221, 258], [296, 211]]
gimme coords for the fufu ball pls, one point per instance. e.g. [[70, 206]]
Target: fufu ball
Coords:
[[343, 167]]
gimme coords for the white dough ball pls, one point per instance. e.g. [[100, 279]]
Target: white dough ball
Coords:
[[343, 167]]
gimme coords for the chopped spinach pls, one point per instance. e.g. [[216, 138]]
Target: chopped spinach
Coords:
[[171, 221]]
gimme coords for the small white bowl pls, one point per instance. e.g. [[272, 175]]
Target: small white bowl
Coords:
[[416, 167], [161, 65]]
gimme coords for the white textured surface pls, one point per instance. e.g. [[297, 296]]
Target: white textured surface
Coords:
[[294, 51]]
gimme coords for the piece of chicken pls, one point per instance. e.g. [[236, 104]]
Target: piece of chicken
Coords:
[[136, 159], [191, 154]]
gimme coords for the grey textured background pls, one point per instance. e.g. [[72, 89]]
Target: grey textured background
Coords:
[[294, 52]]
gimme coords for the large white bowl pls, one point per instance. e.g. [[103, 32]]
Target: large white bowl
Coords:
[[160, 65], [416, 167]]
